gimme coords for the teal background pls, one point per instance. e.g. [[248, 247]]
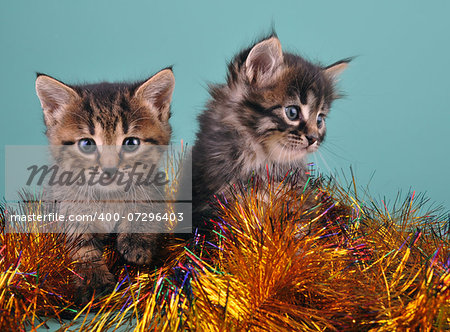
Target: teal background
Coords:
[[394, 120]]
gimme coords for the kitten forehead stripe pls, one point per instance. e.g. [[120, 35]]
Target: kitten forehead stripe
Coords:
[[87, 106], [91, 127], [116, 120], [102, 123], [124, 119]]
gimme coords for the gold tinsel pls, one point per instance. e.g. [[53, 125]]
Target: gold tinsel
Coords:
[[279, 258]]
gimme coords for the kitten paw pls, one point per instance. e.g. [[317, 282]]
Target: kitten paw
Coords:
[[136, 248]]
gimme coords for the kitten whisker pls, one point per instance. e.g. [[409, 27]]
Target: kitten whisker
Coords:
[[335, 154], [324, 162]]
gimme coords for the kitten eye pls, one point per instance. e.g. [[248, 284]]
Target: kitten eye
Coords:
[[320, 121], [292, 112], [87, 145], [130, 144]]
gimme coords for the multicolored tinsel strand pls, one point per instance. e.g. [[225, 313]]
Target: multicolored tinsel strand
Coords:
[[281, 257]]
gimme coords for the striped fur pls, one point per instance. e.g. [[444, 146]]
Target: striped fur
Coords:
[[245, 129], [108, 114]]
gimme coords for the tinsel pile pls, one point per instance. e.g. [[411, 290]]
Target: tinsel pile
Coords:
[[281, 257]]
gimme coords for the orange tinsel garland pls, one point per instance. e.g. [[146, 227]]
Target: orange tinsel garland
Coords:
[[280, 258]]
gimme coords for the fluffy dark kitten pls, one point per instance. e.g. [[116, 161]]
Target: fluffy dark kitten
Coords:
[[270, 113], [108, 126]]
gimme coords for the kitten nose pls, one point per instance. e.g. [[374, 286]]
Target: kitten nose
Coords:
[[311, 139], [110, 171]]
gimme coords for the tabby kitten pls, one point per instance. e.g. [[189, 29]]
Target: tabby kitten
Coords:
[[270, 113], [106, 126]]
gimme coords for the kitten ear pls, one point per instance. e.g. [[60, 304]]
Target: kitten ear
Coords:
[[54, 96], [157, 91], [336, 69], [263, 60]]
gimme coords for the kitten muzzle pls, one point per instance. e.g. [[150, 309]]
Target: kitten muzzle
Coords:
[[311, 139]]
